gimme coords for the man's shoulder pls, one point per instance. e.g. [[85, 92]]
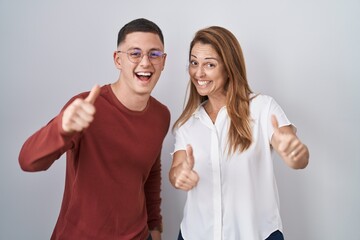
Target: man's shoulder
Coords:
[[159, 105]]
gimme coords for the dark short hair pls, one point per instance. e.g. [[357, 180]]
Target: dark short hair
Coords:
[[139, 25]]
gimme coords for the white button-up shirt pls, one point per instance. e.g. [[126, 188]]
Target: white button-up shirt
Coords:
[[236, 197]]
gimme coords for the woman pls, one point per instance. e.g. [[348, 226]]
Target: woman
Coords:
[[223, 148]]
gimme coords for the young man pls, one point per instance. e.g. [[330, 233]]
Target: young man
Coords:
[[112, 137]]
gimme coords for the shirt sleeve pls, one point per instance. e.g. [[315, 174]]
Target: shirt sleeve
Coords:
[[45, 146], [153, 198], [275, 109], [180, 143]]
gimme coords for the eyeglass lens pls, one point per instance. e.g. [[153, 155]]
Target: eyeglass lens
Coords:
[[135, 55]]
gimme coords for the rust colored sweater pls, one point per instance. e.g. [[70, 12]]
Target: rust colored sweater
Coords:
[[113, 169]]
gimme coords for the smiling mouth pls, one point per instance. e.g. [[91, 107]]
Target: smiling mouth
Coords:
[[143, 76], [203, 83]]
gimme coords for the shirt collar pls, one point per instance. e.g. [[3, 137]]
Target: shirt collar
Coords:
[[199, 110]]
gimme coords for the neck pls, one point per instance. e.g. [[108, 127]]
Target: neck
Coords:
[[132, 101], [212, 107]]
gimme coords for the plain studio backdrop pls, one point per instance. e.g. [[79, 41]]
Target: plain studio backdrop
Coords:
[[306, 54]]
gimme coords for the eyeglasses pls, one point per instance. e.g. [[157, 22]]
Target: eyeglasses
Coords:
[[136, 55]]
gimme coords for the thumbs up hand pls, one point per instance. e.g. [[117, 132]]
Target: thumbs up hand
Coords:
[[182, 176], [80, 113], [289, 146]]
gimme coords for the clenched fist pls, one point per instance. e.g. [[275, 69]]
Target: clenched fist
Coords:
[[182, 174], [80, 113], [289, 146]]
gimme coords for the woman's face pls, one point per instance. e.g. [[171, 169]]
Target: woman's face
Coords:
[[207, 71]]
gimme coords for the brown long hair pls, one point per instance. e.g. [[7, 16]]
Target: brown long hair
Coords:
[[237, 88]]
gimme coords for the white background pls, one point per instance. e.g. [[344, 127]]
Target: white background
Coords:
[[305, 54]]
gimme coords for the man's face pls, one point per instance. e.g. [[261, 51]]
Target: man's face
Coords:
[[140, 76]]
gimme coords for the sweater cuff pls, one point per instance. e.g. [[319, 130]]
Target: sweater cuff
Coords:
[[158, 227]]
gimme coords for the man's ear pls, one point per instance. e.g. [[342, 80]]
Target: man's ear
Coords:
[[163, 66], [117, 61]]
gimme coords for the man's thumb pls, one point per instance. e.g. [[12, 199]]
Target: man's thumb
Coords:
[[94, 93]]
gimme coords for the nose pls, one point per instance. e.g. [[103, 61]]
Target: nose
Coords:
[[145, 61], [199, 72]]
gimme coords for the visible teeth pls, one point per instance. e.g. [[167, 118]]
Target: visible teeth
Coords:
[[202, 83], [146, 74]]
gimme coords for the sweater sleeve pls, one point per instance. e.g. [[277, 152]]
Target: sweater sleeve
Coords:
[[153, 198], [45, 146]]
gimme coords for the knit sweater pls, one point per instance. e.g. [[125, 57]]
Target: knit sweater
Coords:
[[113, 169]]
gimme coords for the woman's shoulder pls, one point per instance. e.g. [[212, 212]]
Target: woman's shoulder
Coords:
[[260, 99], [193, 119]]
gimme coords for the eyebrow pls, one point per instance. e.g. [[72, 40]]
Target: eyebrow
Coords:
[[207, 58], [151, 49]]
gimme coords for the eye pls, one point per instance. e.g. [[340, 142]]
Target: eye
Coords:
[[135, 54], [210, 65], [155, 54], [193, 63]]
